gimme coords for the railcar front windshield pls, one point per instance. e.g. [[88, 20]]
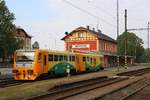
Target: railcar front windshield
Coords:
[[25, 59], [25, 56]]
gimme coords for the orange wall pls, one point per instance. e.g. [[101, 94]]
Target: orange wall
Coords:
[[92, 40], [107, 46]]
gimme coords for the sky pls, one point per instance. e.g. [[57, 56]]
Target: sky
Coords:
[[47, 20]]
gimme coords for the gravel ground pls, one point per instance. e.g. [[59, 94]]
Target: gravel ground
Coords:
[[116, 95], [36, 88], [144, 94]]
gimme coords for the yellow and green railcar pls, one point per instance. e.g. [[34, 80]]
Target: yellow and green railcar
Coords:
[[30, 64], [59, 62]]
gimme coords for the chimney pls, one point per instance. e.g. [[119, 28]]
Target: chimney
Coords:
[[88, 27], [93, 29], [99, 31], [66, 33]]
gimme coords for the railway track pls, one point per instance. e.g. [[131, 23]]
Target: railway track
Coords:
[[9, 82], [73, 89], [135, 72], [136, 90], [131, 89], [68, 90], [126, 92], [142, 93]]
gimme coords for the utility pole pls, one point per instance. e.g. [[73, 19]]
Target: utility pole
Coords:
[[125, 20], [148, 35], [125, 38], [117, 18], [117, 34], [148, 42]]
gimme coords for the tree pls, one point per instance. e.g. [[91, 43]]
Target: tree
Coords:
[[35, 45], [146, 57], [8, 42], [134, 45]]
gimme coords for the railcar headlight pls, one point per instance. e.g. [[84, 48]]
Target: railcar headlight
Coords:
[[15, 71], [30, 71]]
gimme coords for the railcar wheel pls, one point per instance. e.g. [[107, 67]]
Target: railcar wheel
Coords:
[[73, 72]]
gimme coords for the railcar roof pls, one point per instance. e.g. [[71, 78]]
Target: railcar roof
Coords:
[[66, 52], [25, 50], [62, 52]]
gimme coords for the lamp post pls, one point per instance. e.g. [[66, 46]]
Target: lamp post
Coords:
[[125, 39], [68, 58]]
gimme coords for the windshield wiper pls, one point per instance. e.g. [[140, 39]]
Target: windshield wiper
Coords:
[[28, 60]]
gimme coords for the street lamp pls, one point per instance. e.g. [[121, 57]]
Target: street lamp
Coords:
[[67, 35]]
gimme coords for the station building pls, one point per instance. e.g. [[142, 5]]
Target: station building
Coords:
[[84, 40], [21, 34]]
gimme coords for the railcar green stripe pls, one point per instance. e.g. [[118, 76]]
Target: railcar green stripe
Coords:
[[91, 68], [60, 68]]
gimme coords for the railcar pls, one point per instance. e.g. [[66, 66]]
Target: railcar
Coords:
[[31, 64]]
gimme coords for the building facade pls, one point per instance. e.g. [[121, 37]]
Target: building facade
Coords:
[[86, 40], [22, 35]]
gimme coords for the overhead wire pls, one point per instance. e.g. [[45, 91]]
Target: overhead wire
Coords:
[[104, 11], [87, 12]]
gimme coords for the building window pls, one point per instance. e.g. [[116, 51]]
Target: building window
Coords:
[[28, 41], [80, 35], [104, 46]]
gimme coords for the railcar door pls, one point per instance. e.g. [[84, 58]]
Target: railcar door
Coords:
[[45, 62], [82, 63], [77, 62], [94, 61]]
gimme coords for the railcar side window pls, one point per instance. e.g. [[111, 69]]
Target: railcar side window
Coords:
[[70, 58], [73, 58], [101, 58], [88, 59], [84, 59], [44, 60], [50, 57], [77, 59], [55, 57], [91, 60], [39, 58], [65, 58], [61, 58], [94, 60]]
